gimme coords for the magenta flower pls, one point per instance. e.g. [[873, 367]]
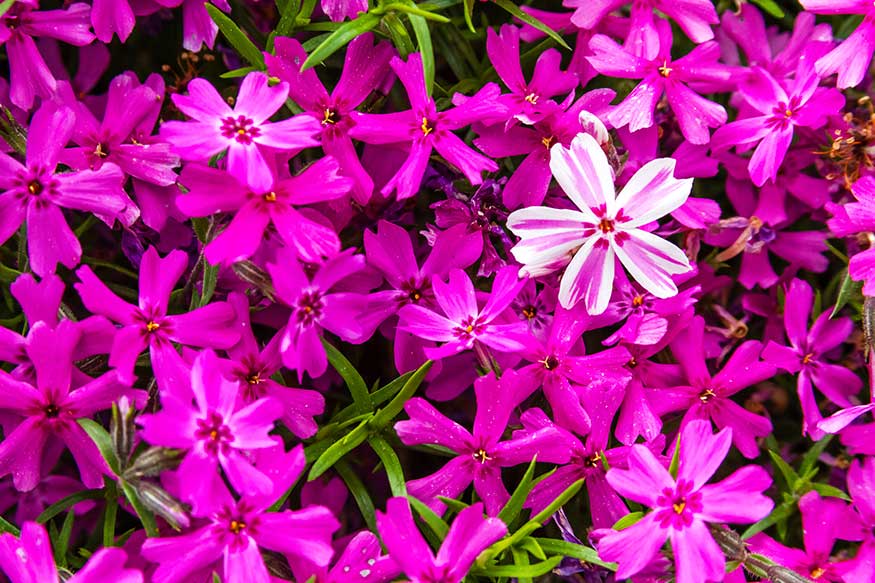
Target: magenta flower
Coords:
[[805, 105], [243, 131], [660, 75], [29, 559], [148, 325], [807, 352], [29, 75], [707, 396], [605, 227], [463, 325], [861, 487], [481, 454], [852, 57], [111, 18], [34, 192], [423, 128], [683, 506], [229, 542], [131, 111], [362, 560], [49, 407], [252, 368], [824, 520], [469, 535], [338, 10], [213, 431], [527, 102], [314, 308], [528, 184], [365, 66], [307, 234]]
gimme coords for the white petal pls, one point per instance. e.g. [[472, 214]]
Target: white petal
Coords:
[[584, 173], [589, 276], [653, 192], [651, 261], [547, 234]]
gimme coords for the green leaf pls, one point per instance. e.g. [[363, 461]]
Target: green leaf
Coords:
[[354, 381], [518, 571], [429, 517], [5, 6], [515, 11], [391, 463], [102, 440], [521, 559], [811, 456], [423, 41], [359, 493], [789, 474], [339, 448], [378, 397], [287, 19], [533, 548], [454, 506], [850, 289], [68, 501], [211, 273], [575, 551], [781, 512], [413, 9], [675, 458], [515, 505], [628, 520], [62, 542], [339, 39], [559, 502], [237, 73], [7, 274], [770, 7], [385, 416], [241, 43], [110, 514], [400, 37], [469, 12], [6, 526], [827, 490], [145, 515]]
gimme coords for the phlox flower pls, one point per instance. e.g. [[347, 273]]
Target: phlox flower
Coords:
[[861, 487], [28, 559], [423, 128], [469, 535], [851, 59], [682, 506], [707, 396], [824, 520], [363, 68], [481, 454], [148, 325], [29, 74], [604, 227], [338, 10], [244, 130], [229, 542], [50, 406], [36, 193], [780, 111], [308, 234], [213, 431], [463, 324], [361, 561], [806, 355], [659, 74]]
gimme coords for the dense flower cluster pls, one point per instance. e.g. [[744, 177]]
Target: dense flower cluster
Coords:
[[376, 291]]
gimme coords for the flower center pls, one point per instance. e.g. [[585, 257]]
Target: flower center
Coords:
[[35, 187], [467, 328], [270, 197], [240, 128], [236, 526], [551, 362], [547, 141], [706, 395], [152, 326], [425, 127], [664, 70], [309, 308], [593, 461], [253, 379], [481, 456], [530, 312], [817, 572], [213, 432], [101, 151], [678, 506], [606, 225], [637, 301], [532, 98], [329, 117], [52, 411], [808, 358]]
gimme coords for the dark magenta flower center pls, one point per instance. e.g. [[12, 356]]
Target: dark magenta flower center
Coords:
[[309, 308], [678, 507], [213, 432], [240, 128]]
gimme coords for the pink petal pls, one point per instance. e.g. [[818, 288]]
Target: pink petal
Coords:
[[584, 174], [653, 192], [589, 277], [652, 261]]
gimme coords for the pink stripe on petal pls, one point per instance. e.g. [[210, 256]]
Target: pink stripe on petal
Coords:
[[589, 277], [584, 174], [653, 192]]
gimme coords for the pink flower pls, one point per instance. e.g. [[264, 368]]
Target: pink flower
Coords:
[[604, 228], [852, 57], [244, 130], [683, 506]]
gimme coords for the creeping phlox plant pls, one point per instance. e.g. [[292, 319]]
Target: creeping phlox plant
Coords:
[[437, 291]]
